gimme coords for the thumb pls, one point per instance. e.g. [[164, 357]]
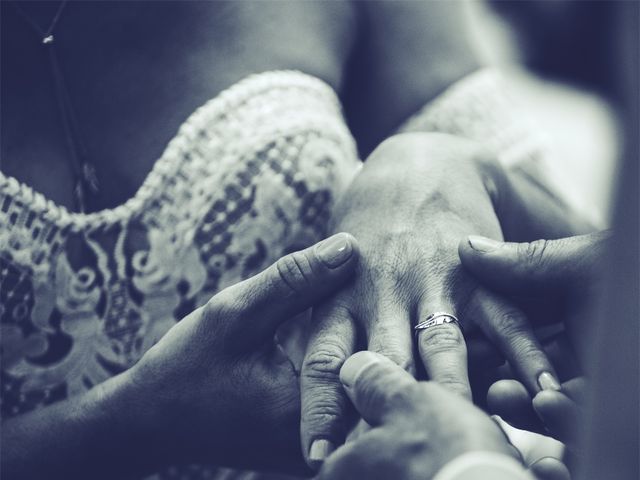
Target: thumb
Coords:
[[371, 380], [253, 309], [539, 266]]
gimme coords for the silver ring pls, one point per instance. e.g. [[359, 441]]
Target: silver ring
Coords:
[[437, 318]]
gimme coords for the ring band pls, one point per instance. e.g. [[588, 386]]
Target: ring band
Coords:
[[437, 318]]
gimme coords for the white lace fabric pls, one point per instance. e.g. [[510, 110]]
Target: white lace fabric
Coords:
[[250, 175], [482, 107]]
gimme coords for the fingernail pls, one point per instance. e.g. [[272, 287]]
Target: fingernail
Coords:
[[320, 449], [354, 365], [483, 244], [547, 381], [335, 250]]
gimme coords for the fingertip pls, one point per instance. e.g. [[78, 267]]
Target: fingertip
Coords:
[[477, 253], [355, 365], [548, 381], [506, 395], [546, 399], [324, 403], [320, 449], [511, 400], [337, 251], [482, 245]]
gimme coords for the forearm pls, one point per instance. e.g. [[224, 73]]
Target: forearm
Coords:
[[252, 37], [98, 434], [410, 52]]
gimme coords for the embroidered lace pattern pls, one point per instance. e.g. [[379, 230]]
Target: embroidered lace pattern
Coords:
[[250, 176], [481, 107]]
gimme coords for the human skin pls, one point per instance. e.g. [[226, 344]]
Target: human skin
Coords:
[[567, 271], [416, 196], [214, 389], [132, 95], [240, 39], [416, 427]]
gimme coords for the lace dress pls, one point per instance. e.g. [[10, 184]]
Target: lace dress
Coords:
[[250, 176]]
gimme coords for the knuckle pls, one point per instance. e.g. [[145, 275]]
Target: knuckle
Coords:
[[323, 413], [295, 272], [504, 316], [533, 253], [453, 382], [510, 323], [324, 363], [524, 348], [396, 353], [222, 303], [441, 338], [321, 410], [512, 327]]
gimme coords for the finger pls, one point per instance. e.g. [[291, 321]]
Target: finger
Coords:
[[542, 265], [360, 459], [288, 287], [576, 390], [348, 461], [324, 402], [560, 414], [531, 446], [549, 468], [506, 326], [356, 432], [444, 355], [510, 400], [371, 381], [390, 334]]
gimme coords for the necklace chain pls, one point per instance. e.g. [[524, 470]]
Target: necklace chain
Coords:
[[45, 35], [85, 179]]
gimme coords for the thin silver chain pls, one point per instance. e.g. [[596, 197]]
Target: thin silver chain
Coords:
[[45, 35], [85, 180]]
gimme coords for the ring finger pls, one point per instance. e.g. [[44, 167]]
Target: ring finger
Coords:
[[444, 355]]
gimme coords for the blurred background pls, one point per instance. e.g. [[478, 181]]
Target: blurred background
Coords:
[[558, 52]]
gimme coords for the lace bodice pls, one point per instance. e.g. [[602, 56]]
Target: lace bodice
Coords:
[[250, 175]]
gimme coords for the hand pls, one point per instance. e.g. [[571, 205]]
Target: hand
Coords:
[[415, 197], [564, 272], [216, 388], [417, 427], [559, 411]]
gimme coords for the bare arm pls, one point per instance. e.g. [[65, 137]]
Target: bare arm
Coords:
[[99, 433], [191, 398], [408, 53], [95, 434]]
